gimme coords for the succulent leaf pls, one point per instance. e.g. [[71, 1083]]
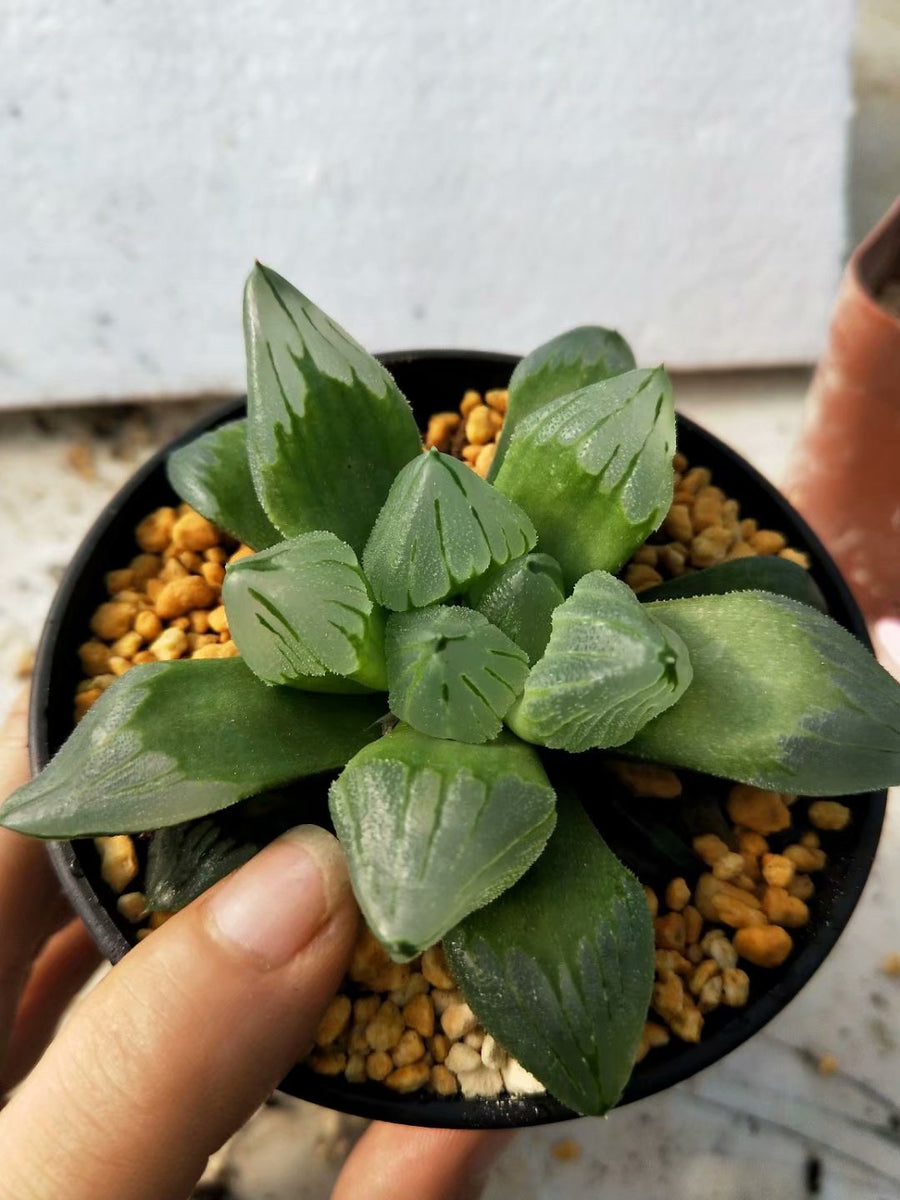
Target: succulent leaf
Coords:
[[435, 829], [560, 967], [761, 573], [171, 741], [301, 614], [782, 698], [609, 667], [440, 529], [566, 363], [184, 860], [519, 598], [452, 674], [212, 473], [328, 427], [593, 470]]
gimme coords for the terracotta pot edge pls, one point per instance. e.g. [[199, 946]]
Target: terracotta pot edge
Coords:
[[858, 269]]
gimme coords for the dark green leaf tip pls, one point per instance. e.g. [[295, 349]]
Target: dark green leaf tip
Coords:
[[328, 427], [212, 474], [593, 470], [520, 598], [441, 528], [560, 967]]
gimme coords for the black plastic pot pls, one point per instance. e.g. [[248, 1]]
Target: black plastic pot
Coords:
[[435, 381]]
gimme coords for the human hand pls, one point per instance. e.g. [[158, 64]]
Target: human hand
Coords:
[[188, 1035]]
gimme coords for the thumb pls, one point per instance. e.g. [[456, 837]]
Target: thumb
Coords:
[[187, 1035]]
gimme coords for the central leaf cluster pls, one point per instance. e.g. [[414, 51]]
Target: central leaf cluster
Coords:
[[308, 613]]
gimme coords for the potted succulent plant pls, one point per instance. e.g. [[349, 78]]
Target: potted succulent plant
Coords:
[[461, 651]]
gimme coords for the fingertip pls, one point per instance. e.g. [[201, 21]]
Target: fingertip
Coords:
[[275, 905]]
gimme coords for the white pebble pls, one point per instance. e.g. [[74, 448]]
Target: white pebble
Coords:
[[462, 1058], [483, 1081], [520, 1082]]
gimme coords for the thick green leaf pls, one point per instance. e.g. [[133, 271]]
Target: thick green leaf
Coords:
[[452, 674], [212, 473], [329, 429], [176, 740], [782, 698], [593, 470], [609, 668], [440, 529], [519, 598], [760, 573], [571, 361], [301, 614], [184, 860], [435, 829], [560, 968]]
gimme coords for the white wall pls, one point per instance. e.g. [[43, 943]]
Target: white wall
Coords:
[[432, 173]]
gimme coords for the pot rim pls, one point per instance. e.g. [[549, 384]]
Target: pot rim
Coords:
[[369, 1100]]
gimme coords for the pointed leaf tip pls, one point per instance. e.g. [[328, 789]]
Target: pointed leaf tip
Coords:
[[566, 363], [593, 470], [441, 528], [783, 698], [328, 427], [212, 474], [171, 741], [560, 967]]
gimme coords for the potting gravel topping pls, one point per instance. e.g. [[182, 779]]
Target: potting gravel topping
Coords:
[[419, 643]]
